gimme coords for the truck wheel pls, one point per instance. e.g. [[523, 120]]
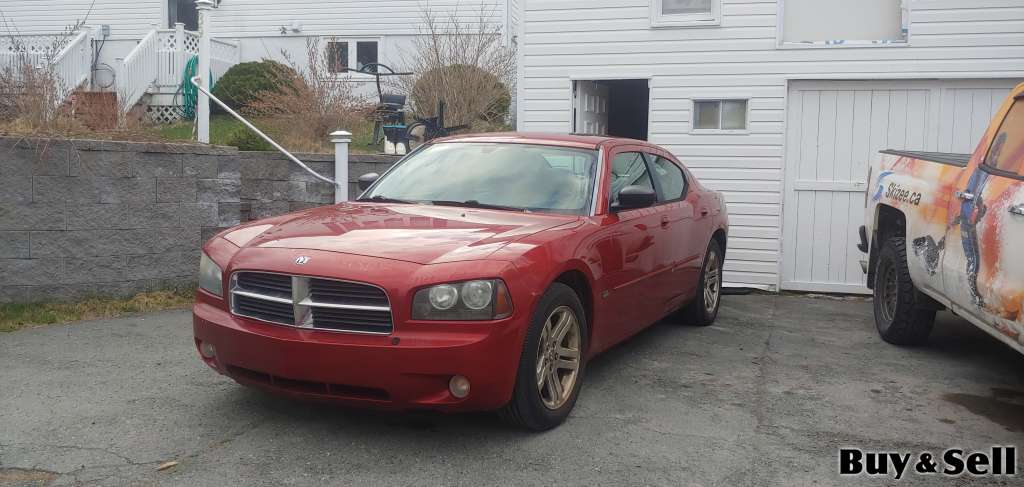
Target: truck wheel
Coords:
[[552, 362], [899, 315], [703, 309]]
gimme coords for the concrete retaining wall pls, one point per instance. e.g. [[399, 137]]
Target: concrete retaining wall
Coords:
[[81, 218]]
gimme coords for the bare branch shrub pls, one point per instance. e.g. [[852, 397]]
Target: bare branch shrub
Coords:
[[310, 103], [466, 64]]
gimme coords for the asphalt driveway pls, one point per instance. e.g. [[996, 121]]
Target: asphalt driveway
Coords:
[[765, 397]]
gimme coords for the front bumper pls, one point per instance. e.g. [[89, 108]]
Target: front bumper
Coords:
[[409, 369]]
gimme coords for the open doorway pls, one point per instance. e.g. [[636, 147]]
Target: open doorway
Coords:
[[615, 107]]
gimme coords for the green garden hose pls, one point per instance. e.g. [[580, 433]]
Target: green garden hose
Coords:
[[189, 93]]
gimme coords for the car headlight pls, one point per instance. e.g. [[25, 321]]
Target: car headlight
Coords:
[[483, 299], [210, 276]]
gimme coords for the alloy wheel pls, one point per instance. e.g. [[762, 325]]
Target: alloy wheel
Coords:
[[712, 281], [558, 357]]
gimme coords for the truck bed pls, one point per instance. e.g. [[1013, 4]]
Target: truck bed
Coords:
[[960, 160]]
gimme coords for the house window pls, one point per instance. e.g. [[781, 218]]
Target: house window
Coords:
[[720, 115], [341, 54], [681, 13], [366, 53], [183, 11], [337, 57], [842, 22]]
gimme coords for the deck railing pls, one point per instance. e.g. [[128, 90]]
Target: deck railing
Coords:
[[176, 46], [138, 71], [68, 55]]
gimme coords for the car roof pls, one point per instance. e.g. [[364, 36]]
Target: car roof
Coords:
[[562, 140]]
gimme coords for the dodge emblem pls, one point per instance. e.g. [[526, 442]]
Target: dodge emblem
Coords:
[[301, 260]]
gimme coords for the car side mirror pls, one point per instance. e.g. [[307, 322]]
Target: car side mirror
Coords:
[[633, 197], [367, 180]]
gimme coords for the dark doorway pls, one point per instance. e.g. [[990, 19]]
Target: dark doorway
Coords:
[[619, 107], [183, 11]]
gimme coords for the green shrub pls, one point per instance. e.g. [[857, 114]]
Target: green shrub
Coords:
[[243, 83], [246, 140]]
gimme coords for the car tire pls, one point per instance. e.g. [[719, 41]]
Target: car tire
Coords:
[[703, 309], [902, 314], [534, 403]]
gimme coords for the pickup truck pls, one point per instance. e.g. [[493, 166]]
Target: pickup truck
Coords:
[[941, 232]]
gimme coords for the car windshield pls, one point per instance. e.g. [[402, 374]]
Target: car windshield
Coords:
[[494, 175]]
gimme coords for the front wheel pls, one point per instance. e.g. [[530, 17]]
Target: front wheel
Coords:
[[551, 364], [900, 316]]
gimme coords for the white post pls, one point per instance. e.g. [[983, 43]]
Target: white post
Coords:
[[205, 8], [341, 140]]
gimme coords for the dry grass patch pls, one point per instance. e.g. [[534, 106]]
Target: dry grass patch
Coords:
[[17, 316]]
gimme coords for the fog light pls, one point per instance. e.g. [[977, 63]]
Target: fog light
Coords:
[[459, 386], [207, 351]]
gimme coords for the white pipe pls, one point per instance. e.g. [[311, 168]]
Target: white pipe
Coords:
[[195, 82]]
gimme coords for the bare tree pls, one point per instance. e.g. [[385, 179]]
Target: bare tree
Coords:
[[464, 63], [309, 102]]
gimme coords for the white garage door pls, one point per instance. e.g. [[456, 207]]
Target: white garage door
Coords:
[[833, 130]]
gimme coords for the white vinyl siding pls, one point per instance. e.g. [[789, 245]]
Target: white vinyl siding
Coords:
[[356, 18], [126, 18], [577, 39]]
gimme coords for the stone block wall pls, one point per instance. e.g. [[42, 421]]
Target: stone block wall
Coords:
[[273, 185], [81, 217]]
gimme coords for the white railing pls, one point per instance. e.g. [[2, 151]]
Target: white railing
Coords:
[[68, 55], [176, 46], [138, 71], [73, 64]]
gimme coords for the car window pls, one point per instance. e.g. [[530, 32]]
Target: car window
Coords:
[[628, 169], [1006, 153], [530, 177], [670, 178]]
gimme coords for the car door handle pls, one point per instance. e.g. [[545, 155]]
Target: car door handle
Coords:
[[1017, 210], [965, 195], [704, 212], [664, 220]]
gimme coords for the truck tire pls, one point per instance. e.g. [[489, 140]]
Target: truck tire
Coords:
[[551, 364], [902, 314]]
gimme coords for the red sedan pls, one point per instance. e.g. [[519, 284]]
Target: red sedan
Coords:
[[479, 273]]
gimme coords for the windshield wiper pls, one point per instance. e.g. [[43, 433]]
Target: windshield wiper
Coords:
[[385, 199], [476, 204]]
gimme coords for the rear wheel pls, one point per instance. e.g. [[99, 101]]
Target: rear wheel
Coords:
[[551, 365], [903, 316], [703, 310]]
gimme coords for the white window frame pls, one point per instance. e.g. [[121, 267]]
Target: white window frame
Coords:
[[781, 43], [353, 54], [693, 117], [659, 19]]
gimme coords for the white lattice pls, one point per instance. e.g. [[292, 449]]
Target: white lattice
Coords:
[[35, 44], [191, 42], [163, 114], [165, 41]]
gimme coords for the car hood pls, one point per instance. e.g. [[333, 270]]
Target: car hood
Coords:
[[422, 234]]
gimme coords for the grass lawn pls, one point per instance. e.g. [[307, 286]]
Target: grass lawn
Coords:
[[223, 126], [16, 316]]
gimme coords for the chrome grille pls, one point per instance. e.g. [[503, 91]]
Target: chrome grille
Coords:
[[311, 302]]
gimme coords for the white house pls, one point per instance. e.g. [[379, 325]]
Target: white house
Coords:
[[124, 38], [780, 104]]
